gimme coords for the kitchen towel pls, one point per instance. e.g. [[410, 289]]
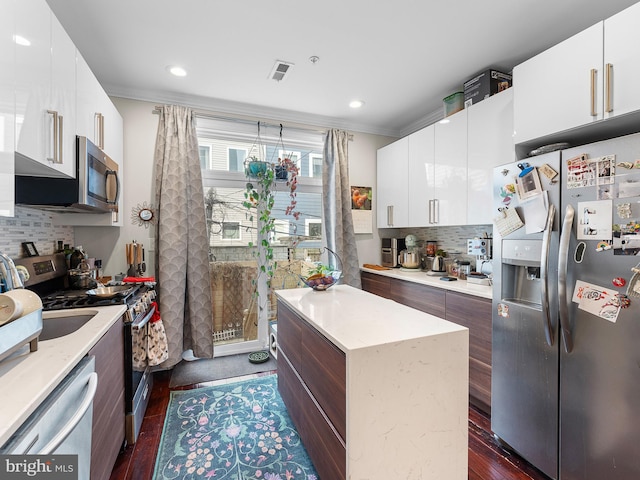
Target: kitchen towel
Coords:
[[157, 345]]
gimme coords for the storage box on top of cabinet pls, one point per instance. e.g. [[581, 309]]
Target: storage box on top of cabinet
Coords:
[[484, 85]]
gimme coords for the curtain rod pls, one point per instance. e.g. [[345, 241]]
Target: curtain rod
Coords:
[[158, 108]]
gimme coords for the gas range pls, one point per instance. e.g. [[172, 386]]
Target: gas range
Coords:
[[48, 278], [138, 300]]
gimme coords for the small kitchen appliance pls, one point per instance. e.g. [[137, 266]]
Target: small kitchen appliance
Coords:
[[438, 266], [390, 249], [409, 258]]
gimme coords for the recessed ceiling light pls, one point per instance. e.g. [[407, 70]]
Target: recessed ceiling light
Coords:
[[177, 71], [356, 103], [20, 40], [444, 120]]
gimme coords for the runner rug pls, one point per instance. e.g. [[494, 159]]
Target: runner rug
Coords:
[[236, 431]]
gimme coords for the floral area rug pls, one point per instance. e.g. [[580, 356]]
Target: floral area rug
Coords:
[[237, 431]]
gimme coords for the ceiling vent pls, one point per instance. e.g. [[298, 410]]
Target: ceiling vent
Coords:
[[280, 70]]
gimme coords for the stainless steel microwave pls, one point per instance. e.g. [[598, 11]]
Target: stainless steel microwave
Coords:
[[94, 190]]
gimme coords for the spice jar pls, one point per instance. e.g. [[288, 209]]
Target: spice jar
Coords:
[[464, 270], [431, 248]]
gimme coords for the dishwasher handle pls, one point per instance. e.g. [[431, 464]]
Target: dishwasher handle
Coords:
[[64, 432]]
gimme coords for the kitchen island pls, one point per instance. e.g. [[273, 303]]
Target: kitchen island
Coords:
[[377, 389]]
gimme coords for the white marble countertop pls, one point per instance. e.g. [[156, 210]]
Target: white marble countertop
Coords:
[[354, 319], [27, 378], [420, 276]]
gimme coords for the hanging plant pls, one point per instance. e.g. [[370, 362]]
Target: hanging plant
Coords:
[[288, 170]]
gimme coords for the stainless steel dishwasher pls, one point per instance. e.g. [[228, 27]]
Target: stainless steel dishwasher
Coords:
[[62, 422]]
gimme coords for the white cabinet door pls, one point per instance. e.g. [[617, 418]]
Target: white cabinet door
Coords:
[[450, 171], [87, 88], [34, 137], [112, 129], [392, 201], [45, 93], [561, 88], [489, 144], [622, 62], [63, 91], [7, 108], [421, 186], [98, 118]]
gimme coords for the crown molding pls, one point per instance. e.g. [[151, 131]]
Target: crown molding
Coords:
[[244, 109]]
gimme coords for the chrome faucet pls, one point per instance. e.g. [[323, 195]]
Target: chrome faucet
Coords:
[[9, 272]]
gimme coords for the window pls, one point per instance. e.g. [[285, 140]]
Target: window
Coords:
[[230, 230], [205, 157], [236, 158], [313, 228], [224, 146], [315, 165]]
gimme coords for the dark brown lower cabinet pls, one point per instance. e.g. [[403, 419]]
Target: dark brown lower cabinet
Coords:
[[312, 386], [421, 297], [107, 434], [376, 284], [475, 314], [466, 310]]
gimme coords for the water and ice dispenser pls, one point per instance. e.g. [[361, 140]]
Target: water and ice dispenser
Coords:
[[521, 271]]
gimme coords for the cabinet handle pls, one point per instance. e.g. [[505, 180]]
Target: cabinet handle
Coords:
[[608, 74], [431, 211], [436, 211], [60, 140], [389, 215], [54, 158], [593, 92], [98, 131]]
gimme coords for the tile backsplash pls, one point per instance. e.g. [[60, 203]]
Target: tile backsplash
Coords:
[[452, 240], [30, 225]]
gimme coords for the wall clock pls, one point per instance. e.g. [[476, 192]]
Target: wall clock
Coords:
[[143, 215]]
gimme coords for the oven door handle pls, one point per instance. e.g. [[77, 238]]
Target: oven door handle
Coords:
[[145, 320]]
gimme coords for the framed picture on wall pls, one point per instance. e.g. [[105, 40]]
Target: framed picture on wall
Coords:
[[29, 249]]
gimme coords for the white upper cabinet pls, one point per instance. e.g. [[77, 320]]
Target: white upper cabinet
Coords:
[[7, 108], [622, 62], [449, 206], [589, 77], [44, 93], [489, 144], [560, 88], [392, 198], [421, 186], [98, 118]]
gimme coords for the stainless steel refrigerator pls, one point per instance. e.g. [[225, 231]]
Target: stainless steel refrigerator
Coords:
[[566, 312]]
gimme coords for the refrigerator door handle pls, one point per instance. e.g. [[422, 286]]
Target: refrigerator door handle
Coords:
[[563, 259], [544, 275]]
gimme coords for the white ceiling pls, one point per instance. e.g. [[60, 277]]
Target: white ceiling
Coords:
[[400, 56]]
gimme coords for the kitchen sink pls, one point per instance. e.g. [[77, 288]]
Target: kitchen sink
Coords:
[[56, 327]]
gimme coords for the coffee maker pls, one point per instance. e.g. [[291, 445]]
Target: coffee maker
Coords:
[[390, 249]]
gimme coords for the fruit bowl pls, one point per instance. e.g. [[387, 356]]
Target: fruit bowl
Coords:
[[322, 277], [322, 281]]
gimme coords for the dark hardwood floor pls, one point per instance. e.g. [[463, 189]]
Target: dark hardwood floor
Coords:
[[487, 460]]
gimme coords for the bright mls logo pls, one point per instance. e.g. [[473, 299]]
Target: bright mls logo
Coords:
[[39, 467]]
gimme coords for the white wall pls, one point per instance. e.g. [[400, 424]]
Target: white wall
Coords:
[[140, 126], [362, 172], [108, 243]]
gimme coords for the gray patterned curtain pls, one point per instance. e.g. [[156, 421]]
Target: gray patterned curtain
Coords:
[[182, 246], [336, 205]]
